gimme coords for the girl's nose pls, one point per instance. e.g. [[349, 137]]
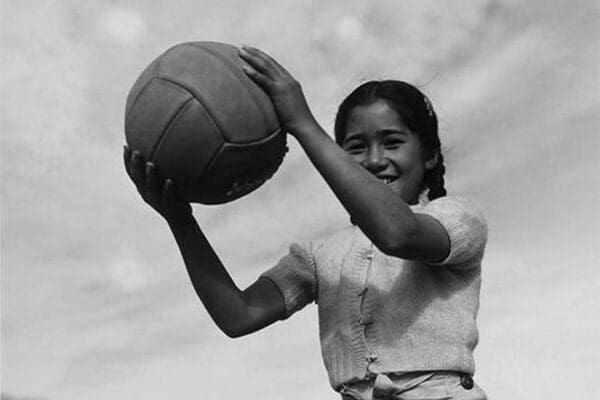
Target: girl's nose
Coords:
[[375, 160]]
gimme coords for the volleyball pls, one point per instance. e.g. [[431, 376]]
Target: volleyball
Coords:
[[195, 114]]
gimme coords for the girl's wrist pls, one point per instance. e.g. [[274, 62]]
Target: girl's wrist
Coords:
[[180, 220], [305, 127]]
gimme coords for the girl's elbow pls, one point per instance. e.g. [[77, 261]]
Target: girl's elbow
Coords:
[[394, 249], [234, 334], [234, 331], [396, 243], [242, 326]]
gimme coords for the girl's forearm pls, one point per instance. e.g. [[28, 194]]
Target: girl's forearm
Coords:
[[382, 215], [213, 285]]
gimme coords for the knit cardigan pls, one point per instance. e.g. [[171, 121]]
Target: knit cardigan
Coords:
[[380, 314]]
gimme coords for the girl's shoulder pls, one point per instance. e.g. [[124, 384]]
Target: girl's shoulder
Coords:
[[465, 225], [457, 206]]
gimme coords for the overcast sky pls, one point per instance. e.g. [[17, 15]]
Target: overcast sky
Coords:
[[96, 303]]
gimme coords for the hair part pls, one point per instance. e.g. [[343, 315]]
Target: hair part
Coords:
[[415, 111]]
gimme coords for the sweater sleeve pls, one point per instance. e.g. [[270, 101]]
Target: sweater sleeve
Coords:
[[465, 225], [295, 276]]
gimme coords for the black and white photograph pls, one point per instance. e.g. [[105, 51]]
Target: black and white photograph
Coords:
[[355, 200]]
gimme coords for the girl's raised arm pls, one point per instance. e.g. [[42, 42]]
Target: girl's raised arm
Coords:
[[384, 217]]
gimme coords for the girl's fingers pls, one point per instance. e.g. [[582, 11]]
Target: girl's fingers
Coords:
[[275, 69], [169, 191], [263, 69], [259, 61], [260, 79], [137, 168], [250, 56], [270, 60], [152, 184], [127, 160]]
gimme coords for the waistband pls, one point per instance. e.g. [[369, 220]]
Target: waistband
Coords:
[[399, 383]]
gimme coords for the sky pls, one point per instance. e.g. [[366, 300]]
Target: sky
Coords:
[[95, 300]]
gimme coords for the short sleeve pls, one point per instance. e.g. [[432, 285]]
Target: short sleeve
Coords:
[[295, 276], [466, 227]]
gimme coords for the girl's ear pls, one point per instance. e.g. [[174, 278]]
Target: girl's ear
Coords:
[[432, 162]]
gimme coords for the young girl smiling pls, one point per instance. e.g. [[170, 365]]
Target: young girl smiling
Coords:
[[398, 291]]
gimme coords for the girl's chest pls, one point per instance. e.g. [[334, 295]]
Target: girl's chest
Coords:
[[359, 266]]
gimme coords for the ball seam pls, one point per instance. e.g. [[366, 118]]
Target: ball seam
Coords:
[[168, 127], [152, 67], [212, 118], [200, 100], [232, 68]]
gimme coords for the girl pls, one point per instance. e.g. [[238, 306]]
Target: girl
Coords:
[[398, 291]]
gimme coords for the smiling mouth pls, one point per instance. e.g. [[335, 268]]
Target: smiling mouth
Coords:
[[388, 180]]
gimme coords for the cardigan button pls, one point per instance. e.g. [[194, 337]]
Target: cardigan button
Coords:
[[371, 358], [365, 320], [362, 292], [467, 382]]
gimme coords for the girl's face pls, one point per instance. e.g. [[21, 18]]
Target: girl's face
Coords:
[[377, 139]]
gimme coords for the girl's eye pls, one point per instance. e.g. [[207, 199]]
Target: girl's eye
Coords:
[[393, 143], [355, 148]]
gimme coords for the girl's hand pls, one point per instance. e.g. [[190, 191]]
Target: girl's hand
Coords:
[[285, 92], [158, 193]]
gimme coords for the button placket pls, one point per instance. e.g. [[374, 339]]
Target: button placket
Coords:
[[354, 279], [366, 319], [369, 252], [358, 274]]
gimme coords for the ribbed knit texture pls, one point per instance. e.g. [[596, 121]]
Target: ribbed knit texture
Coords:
[[380, 314]]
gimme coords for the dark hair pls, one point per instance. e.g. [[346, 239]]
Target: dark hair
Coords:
[[416, 112]]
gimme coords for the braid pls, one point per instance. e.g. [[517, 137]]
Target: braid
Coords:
[[434, 179]]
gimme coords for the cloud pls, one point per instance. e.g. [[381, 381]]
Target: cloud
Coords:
[[349, 28], [544, 327], [123, 25], [128, 274]]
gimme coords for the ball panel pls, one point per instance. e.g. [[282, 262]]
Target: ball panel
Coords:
[[144, 79], [187, 147], [151, 113], [230, 58], [220, 90], [238, 169]]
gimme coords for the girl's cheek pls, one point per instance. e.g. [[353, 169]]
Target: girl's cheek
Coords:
[[411, 157], [405, 160], [358, 158]]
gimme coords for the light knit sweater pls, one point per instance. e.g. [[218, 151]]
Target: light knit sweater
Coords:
[[379, 313]]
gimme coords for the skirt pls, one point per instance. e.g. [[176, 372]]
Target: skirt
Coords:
[[436, 385]]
